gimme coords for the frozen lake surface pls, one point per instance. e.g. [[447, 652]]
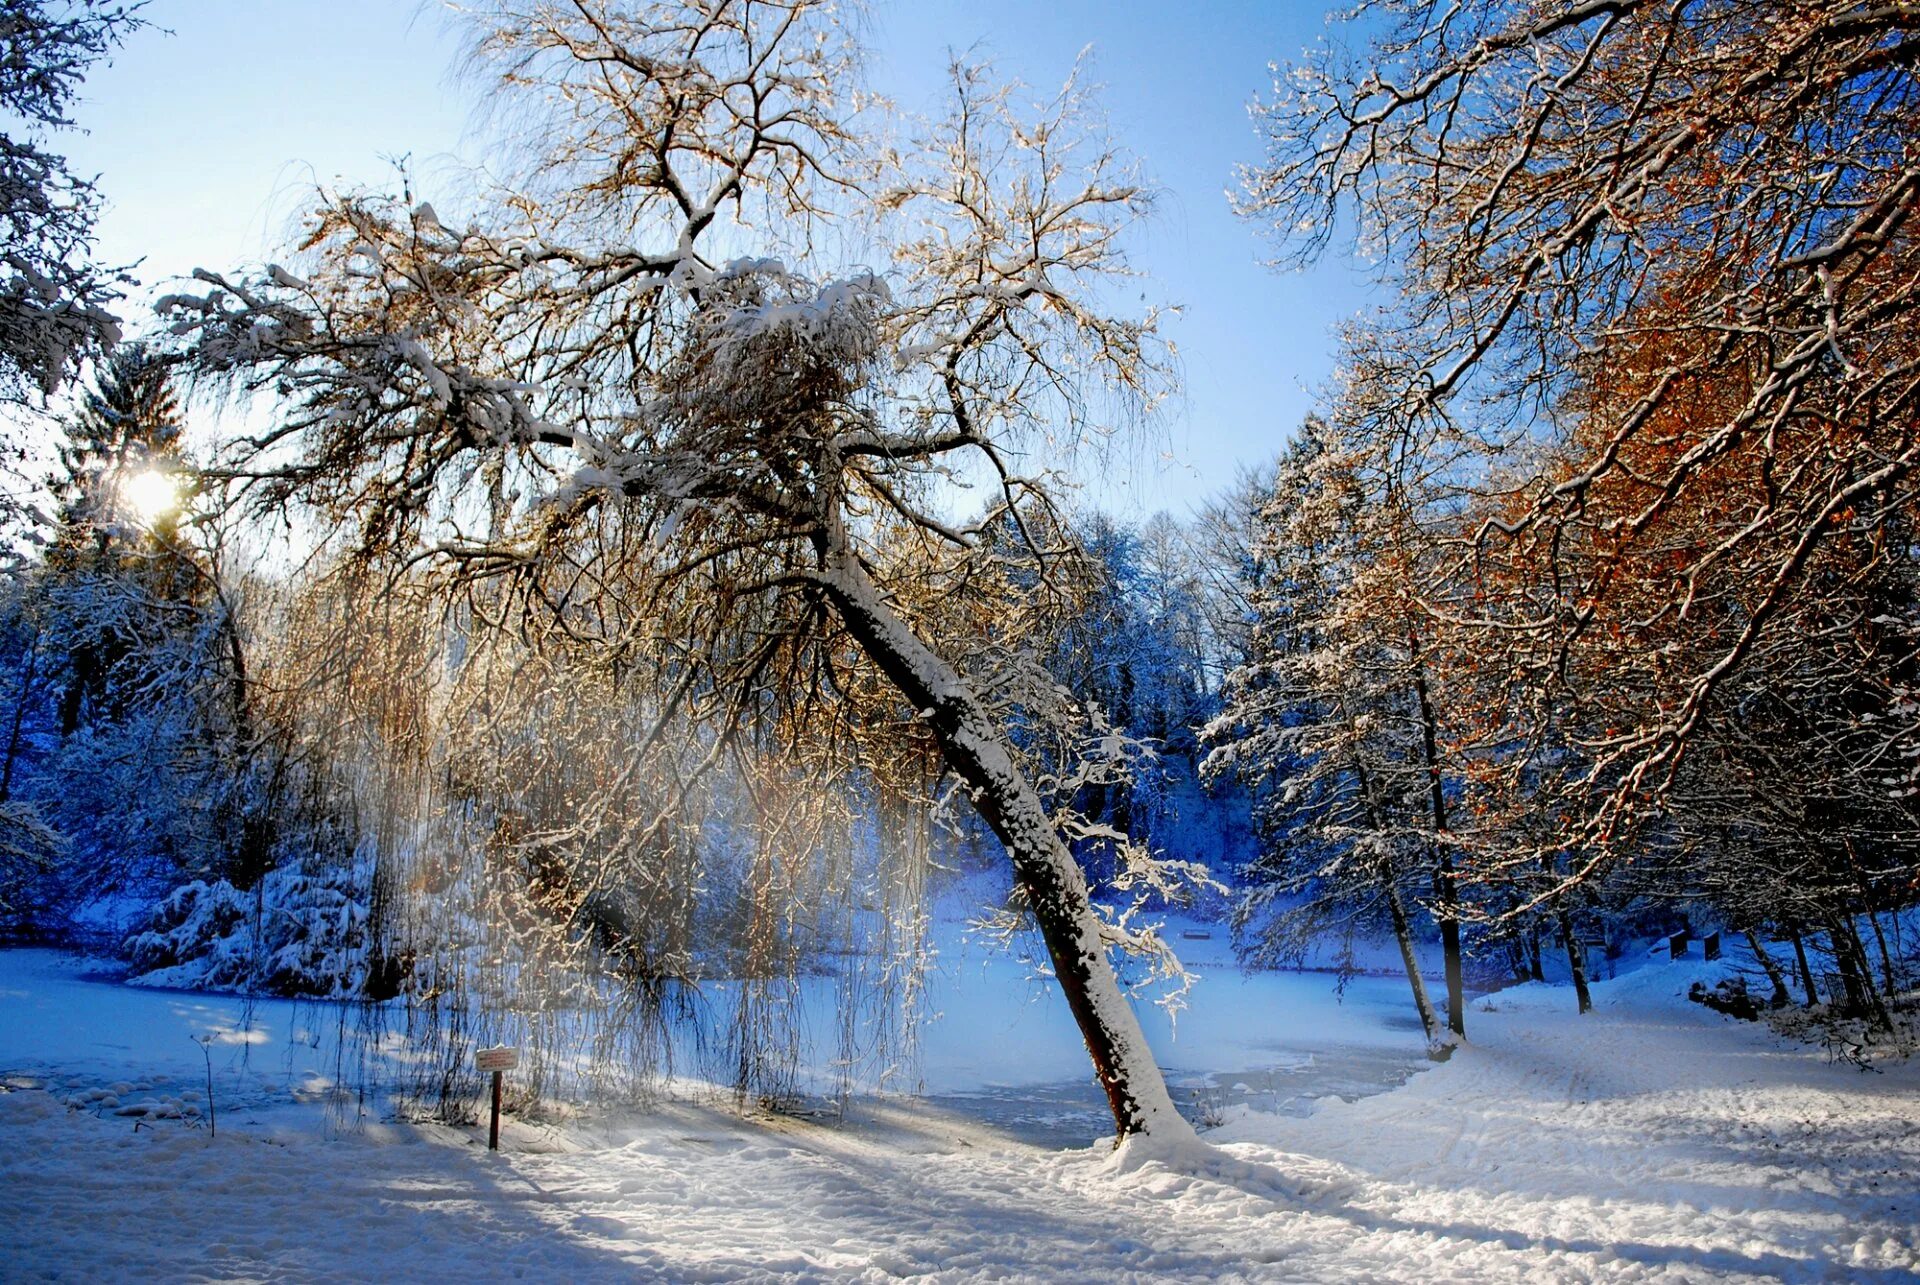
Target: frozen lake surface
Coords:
[[1071, 1113], [999, 1046]]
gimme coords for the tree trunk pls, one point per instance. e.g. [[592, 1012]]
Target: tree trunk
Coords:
[[1865, 887], [1843, 961], [1575, 962], [1875, 1004], [1779, 999], [1517, 958], [29, 666], [1806, 969], [252, 857], [978, 752], [1447, 902], [1891, 979], [1403, 934], [80, 678], [1446, 885], [1397, 911]]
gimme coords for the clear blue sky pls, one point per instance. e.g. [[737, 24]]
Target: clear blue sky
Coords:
[[205, 137]]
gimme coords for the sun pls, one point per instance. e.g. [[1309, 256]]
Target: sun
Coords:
[[152, 494]]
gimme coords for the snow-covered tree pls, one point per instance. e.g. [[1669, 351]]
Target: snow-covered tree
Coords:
[[644, 358], [1136, 644], [1223, 537], [55, 303], [1332, 718], [119, 533], [134, 731], [1658, 301]]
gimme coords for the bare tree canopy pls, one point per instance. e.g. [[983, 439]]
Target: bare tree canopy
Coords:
[[1658, 353], [633, 387]]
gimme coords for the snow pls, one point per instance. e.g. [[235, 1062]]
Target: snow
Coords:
[[74, 1034], [1650, 1140]]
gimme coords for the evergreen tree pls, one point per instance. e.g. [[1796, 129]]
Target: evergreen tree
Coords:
[[148, 771], [119, 545], [1329, 714], [54, 302]]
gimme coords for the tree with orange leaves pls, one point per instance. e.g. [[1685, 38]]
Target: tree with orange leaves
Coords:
[[1659, 324]]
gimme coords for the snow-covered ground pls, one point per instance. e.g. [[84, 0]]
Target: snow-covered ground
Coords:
[[1650, 1140]]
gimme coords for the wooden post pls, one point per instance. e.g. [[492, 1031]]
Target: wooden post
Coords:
[[496, 1060]]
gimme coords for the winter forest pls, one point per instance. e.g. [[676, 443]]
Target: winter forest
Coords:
[[696, 602]]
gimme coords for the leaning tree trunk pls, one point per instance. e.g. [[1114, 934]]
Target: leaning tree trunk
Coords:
[[979, 753], [1774, 975], [1402, 926], [1403, 934]]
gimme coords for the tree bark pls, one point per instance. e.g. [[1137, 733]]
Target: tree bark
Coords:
[[1446, 885], [1517, 958], [979, 753], [1397, 911], [1447, 898], [1843, 962], [1873, 1003], [1575, 962], [1403, 934], [1865, 887], [29, 666], [1779, 999], [1806, 969], [1887, 974]]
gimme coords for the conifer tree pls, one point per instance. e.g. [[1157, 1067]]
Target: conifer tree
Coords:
[[54, 301], [119, 536], [1329, 718]]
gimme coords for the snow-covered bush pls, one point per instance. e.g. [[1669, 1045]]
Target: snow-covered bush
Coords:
[[294, 933]]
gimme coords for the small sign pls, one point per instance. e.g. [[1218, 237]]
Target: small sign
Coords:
[[497, 1059]]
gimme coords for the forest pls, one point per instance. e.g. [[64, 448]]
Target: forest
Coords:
[[642, 603]]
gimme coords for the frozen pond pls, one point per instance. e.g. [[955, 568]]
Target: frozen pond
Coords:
[[998, 1045], [1073, 1113], [1002, 1048]]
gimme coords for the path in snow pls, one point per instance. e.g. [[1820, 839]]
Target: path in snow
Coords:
[[1652, 1140]]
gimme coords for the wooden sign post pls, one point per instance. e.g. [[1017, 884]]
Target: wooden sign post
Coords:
[[496, 1060]]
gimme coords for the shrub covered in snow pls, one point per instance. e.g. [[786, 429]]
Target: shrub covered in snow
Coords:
[[294, 933]]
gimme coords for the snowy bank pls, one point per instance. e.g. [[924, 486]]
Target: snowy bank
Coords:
[[1652, 1140]]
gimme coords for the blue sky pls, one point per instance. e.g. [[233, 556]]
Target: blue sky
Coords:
[[205, 137]]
